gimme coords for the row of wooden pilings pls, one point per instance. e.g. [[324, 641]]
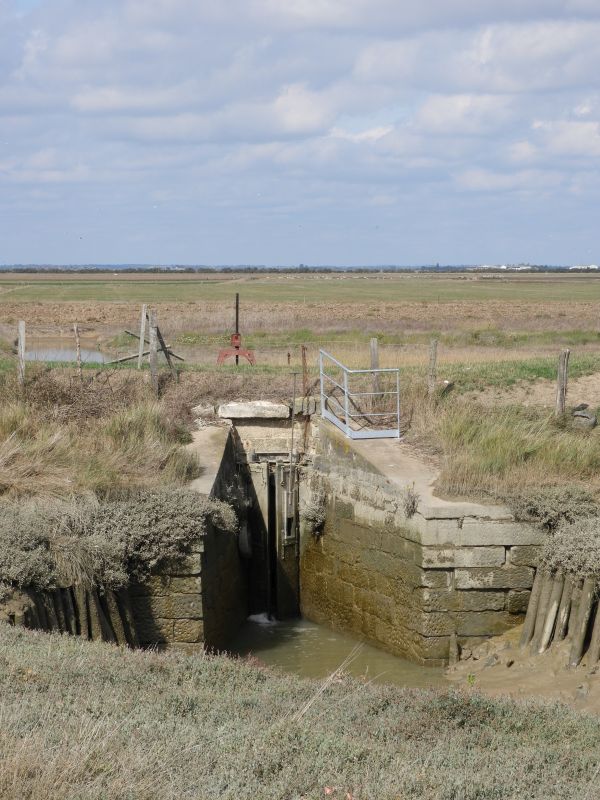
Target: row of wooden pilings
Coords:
[[562, 607], [104, 616]]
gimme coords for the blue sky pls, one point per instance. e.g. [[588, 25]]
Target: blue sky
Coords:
[[315, 131]]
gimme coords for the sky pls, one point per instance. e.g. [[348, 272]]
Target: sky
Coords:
[[349, 132]]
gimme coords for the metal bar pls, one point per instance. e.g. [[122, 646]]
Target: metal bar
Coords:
[[346, 402], [398, 400], [356, 371], [321, 379]]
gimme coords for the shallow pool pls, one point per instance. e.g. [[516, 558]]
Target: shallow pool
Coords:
[[314, 651]]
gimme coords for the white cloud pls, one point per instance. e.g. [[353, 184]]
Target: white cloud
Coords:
[[358, 106], [466, 114]]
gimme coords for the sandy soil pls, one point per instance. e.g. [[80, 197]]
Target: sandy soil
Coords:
[[543, 393], [499, 667]]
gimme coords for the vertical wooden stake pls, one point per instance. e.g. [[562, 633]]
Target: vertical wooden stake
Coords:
[[78, 351], [153, 357], [21, 353], [432, 374], [561, 382], [304, 371], [142, 335]]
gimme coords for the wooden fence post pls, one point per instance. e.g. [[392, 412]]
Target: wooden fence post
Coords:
[[304, 370], [21, 353], [78, 351], [432, 374], [561, 382], [153, 356], [142, 335]]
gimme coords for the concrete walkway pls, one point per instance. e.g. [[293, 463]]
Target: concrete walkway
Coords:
[[208, 445], [402, 465]]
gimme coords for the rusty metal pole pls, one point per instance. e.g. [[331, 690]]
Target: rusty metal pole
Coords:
[[237, 321], [290, 483]]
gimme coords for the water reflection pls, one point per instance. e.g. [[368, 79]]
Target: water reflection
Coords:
[[314, 651], [64, 354]]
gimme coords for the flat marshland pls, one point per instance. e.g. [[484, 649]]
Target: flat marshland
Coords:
[[92, 721], [499, 338]]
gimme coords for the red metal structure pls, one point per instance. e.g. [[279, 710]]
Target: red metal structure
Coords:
[[235, 350]]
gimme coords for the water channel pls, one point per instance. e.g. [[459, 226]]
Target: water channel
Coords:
[[308, 650], [57, 351]]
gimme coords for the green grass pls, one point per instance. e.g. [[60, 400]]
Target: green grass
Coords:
[[500, 450], [503, 374], [89, 721], [375, 288], [485, 337]]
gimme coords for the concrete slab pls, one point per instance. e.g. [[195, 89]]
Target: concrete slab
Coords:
[[209, 445], [255, 409]]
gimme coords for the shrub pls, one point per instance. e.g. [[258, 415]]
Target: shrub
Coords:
[[109, 544], [552, 505], [313, 512], [154, 527], [574, 548]]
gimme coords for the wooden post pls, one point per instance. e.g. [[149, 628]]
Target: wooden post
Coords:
[[153, 357], [582, 621], [561, 382], [304, 371], [78, 351], [432, 374], [142, 335], [21, 353]]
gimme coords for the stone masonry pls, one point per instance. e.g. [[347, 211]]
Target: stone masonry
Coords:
[[407, 583]]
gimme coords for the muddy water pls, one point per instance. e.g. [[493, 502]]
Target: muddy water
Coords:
[[314, 651]]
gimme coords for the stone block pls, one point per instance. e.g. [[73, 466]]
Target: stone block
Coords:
[[507, 577], [186, 648], [187, 565], [153, 630], [524, 555], [255, 409], [394, 542], [464, 623], [188, 630], [483, 533], [374, 604], [517, 602], [461, 557], [452, 600], [167, 584]]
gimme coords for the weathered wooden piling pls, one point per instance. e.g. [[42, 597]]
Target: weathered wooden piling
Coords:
[[581, 623]]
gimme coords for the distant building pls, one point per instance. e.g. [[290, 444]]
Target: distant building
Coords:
[[584, 267]]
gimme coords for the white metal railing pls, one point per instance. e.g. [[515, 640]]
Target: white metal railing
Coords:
[[341, 404]]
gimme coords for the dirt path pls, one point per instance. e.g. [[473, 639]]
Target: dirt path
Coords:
[[543, 393]]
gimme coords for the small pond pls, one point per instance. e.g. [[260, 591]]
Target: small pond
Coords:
[[314, 651], [57, 353]]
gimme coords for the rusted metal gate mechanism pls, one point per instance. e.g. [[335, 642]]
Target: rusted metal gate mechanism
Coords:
[[235, 350]]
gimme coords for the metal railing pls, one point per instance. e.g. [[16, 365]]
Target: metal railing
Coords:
[[360, 414]]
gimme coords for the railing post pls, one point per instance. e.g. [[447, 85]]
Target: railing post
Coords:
[[346, 403], [321, 378], [398, 399]]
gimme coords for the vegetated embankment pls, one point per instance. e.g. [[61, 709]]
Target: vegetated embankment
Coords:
[[91, 721]]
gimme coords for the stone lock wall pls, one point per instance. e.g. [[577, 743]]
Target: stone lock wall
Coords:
[[199, 601], [408, 583]]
